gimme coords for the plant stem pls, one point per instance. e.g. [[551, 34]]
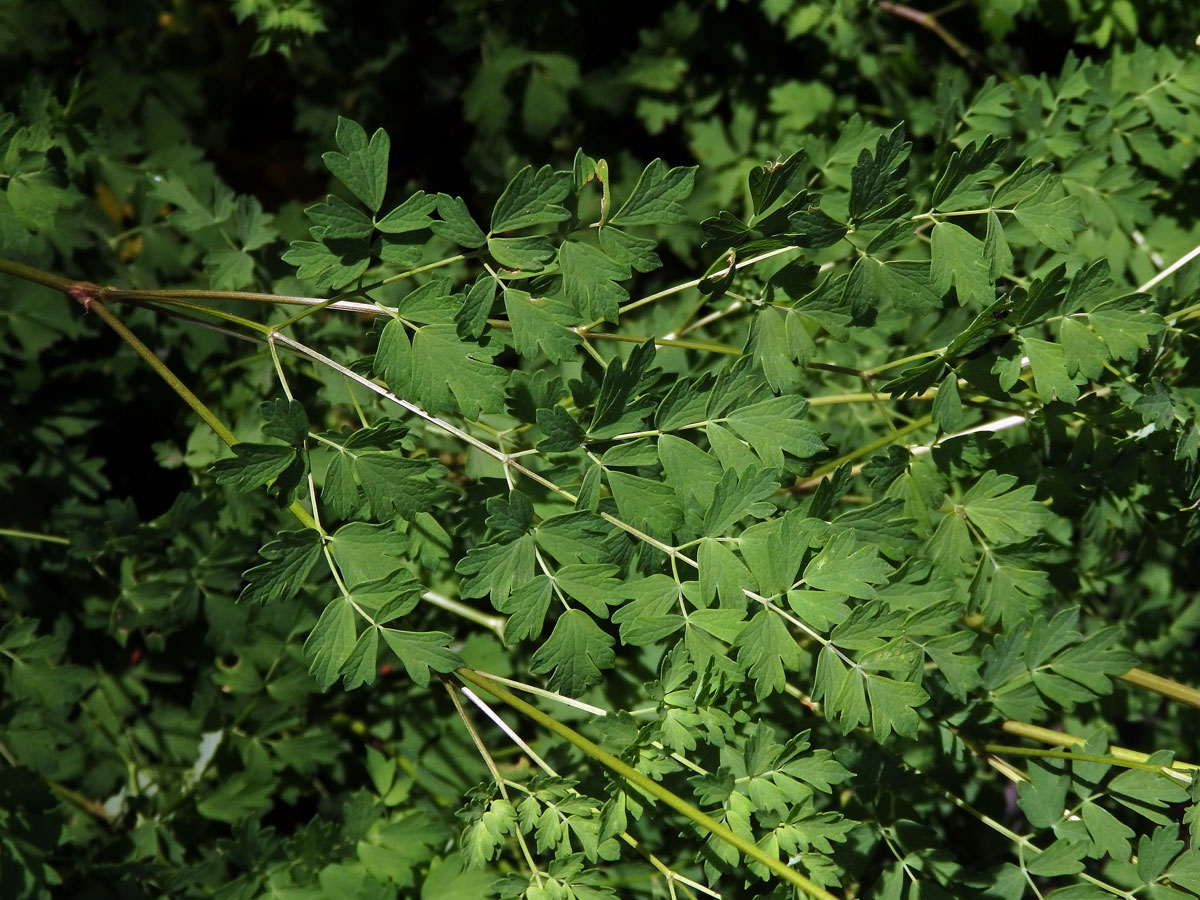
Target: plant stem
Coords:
[[494, 623], [40, 276], [1062, 739], [163, 372], [645, 784], [34, 536], [1164, 686], [1113, 760], [695, 282], [925, 20], [823, 470], [1171, 269]]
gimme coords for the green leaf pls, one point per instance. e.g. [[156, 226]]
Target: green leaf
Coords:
[[1063, 857], [497, 568], [842, 567], [959, 259], [228, 269], [1048, 362], [331, 642], [618, 387], [361, 165], [592, 584], [526, 255], [657, 198], [904, 282], [563, 433], [439, 371], [893, 706], [329, 265], [722, 575], [289, 560], [411, 215], [1051, 216], [652, 612], [526, 608], [286, 420], [253, 465], [947, 405], [574, 654], [1125, 325], [774, 549], [422, 652], [1155, 852], [768, 183], [482, 838], [397, 486], [768, 652], [590, 280], [737, 495], [960, 185], [1004, 514], [813, 228], [877, 180], [774, 427], [539, 323], [456, 223], [335, 218], [645, 504], [471, 318], [532, 198], [635, 252]]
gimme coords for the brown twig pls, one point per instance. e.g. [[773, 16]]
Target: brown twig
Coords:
[[929, 21]]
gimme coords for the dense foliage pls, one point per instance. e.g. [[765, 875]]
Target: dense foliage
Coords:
[[792, 492]]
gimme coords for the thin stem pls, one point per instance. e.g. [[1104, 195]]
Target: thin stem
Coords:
[[582, 331], [1062, 739], [1005, 749], [549, 695], [496, 776], [34, 536], [39, 276], [495, 624], [201, 309], [695, 282], [507, 729], [161, 369], [867, 373], [1171, 269], [647, 785], [163, 372], [870, 447], [703, 346], [926, 20]]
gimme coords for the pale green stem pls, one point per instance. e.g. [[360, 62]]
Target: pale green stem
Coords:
[[34, 536], [823, 470], [695, 282], [1062, 739], [1113, 760], [1164, 686], [1171, 269], [500, 782]]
